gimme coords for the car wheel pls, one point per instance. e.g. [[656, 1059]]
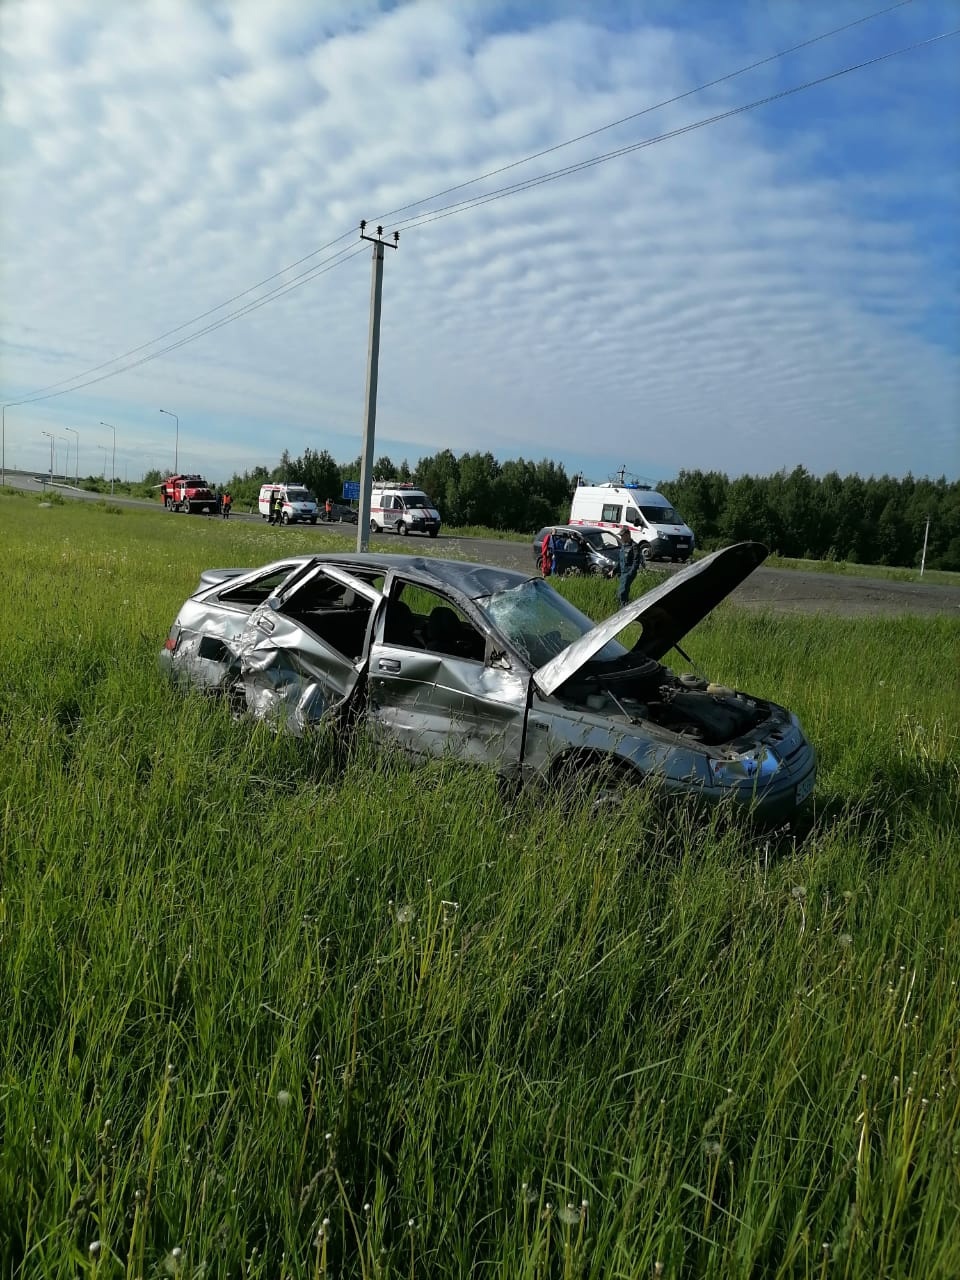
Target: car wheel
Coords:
[[434, 532], [313, 519], [284, 519], [603, 780], [373, 527], [573, 572], [402, 528]]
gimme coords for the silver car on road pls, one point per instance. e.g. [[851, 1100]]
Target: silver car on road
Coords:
[[492, 666]]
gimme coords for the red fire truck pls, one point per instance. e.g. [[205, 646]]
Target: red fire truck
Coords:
[[189, 494]]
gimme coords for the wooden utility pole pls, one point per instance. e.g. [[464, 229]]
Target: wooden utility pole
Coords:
[[373, 363]]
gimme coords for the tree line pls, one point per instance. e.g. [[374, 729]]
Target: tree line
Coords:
[[878, 520]]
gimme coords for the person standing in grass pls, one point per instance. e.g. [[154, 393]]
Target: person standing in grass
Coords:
[[226, 504], [277, 507], [630, 562], [546, 554]]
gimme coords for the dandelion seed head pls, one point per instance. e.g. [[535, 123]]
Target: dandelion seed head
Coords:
[[845, 940], [93, 1248], [284, 1098], [711, 1147]]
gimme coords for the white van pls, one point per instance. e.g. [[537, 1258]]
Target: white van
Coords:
[[299, 504], [648, 515], [402, 508]]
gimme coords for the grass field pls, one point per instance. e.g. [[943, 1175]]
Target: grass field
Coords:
[[270, 1012]]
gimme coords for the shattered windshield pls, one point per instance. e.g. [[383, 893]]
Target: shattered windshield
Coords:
[[539, 623]]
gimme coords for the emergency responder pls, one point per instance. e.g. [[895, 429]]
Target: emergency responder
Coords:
[[630, 563]]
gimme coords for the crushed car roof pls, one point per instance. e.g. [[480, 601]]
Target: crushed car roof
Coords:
[[472, 580]]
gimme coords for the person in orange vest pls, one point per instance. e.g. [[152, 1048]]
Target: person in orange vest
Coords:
[[328, 508], [226, 504]]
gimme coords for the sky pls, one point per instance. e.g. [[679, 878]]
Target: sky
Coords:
[[779, 288]]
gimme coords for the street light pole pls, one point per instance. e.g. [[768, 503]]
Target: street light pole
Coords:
[[3, 447], [106, 450], [50, 434], [113, 465], [176, 442], [77, 434]]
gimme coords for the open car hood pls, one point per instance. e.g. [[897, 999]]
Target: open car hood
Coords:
[[666, 613]]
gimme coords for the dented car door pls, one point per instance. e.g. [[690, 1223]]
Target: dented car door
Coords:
[[438, 686], [302, 652]]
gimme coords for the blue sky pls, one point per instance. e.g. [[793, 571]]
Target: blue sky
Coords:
[[777, 289]]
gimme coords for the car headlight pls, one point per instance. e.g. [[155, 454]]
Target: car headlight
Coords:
[[753, 766]]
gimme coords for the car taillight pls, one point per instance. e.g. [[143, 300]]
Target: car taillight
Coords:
[[173, 639]]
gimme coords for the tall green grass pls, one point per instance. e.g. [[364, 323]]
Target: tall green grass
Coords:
[[280, 1009]]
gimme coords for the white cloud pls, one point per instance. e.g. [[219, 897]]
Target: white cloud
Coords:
[[763, 292]]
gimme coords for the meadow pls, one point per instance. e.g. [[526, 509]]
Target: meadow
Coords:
[[289, 1009]]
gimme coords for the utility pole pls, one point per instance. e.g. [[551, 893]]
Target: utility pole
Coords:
[[923, 556], [373, 363]]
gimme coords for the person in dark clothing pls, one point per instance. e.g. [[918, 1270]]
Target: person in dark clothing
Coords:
[[277, 508], [630, 563]]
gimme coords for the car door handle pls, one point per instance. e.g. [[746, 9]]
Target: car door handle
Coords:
[[388, 664]]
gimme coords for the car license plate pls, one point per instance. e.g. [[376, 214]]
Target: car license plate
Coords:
[[804, 788]]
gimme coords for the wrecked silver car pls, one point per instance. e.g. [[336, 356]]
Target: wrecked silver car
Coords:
[[489, 665]]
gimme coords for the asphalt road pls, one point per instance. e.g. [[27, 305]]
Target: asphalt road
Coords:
[[782, 590]]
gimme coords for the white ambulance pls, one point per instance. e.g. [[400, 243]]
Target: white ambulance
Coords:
[[299, 504], [402, 508], [648, 515]]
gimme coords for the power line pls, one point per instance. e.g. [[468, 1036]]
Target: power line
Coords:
[[472, 202], [482, 199], [186, 324], [656, 106], [318, 269]]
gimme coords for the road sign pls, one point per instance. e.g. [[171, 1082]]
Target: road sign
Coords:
[[351, 490]]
